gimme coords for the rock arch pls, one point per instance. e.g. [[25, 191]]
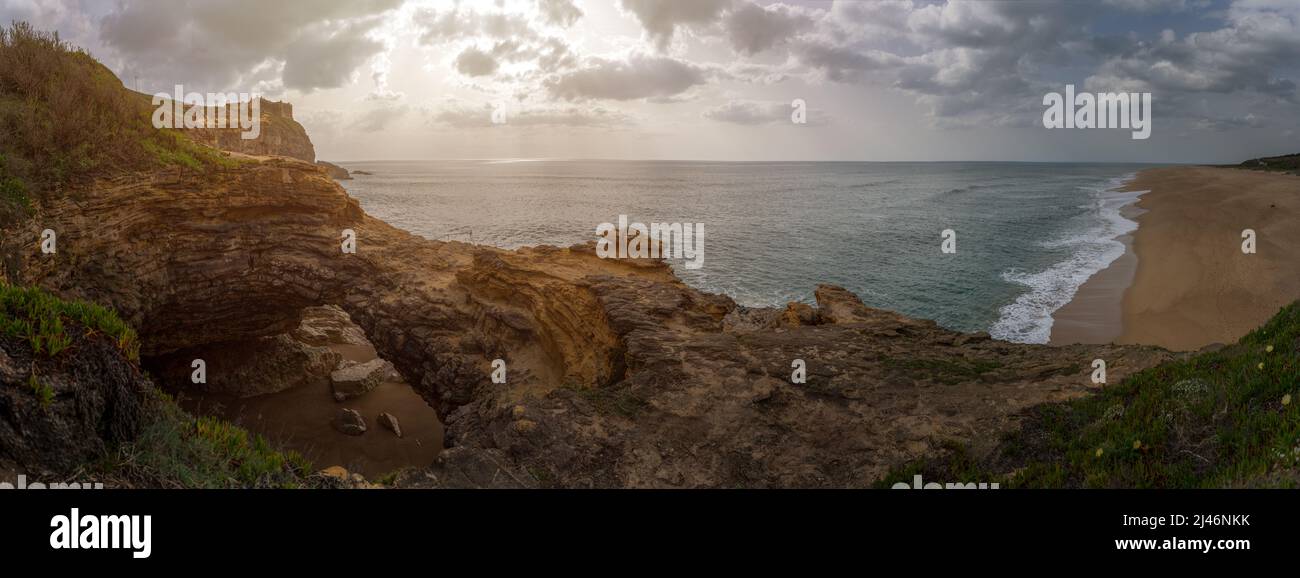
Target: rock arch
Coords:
[[620, 374]]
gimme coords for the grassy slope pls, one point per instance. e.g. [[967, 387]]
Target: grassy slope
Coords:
[[65, 118], [1228, 418], [1284, 163], [174, 449]]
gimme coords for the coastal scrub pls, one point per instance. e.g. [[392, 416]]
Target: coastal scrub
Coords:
[[1210, 420]]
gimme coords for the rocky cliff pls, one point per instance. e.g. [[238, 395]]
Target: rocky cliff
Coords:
[[280, 135], [339, 173], [618, 374]]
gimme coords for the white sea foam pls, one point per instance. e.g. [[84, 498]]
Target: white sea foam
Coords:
[[1029, 318]]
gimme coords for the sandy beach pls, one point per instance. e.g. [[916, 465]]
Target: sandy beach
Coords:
[[1185, 282]]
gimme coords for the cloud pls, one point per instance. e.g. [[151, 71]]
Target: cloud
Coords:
[[323, 58], [844, 64], [751, 28], [969, 63], [1229, 123], [475, 62], [214, 45], [456, 24], [559, 12], [380, 117], [512, 36], [1256, 43], [640, 76], [662, 18], [750, 113], [1154, 5], [460, 115], [988, 63]]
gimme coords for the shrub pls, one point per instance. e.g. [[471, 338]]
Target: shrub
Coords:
[[1225, 418], [65, 118]]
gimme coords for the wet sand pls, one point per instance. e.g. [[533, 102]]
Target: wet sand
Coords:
[[1191, 284], [299, 419], [1095, 315]]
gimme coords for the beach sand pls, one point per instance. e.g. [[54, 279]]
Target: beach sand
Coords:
[[1185, 282]]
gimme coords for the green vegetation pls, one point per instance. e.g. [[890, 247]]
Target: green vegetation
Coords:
[[176, 449], [14, 201], [173, 449], [1227, 418], [1284, 163], [43, 392], [65, 118], [37, 316]]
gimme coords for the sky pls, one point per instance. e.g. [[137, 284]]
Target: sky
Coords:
[[880, 80]]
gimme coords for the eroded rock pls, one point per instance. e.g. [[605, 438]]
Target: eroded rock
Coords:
[[57, 414], [355, 380], [249, 368], [349, 421], [334, 171], [389, 422], [630, 377]]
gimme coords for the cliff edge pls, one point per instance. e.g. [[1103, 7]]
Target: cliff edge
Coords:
[[617, 374]]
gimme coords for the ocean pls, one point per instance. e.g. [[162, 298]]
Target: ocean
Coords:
[[1027, 234]]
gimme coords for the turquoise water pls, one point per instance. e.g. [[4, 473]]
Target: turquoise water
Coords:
[[1027, 234]]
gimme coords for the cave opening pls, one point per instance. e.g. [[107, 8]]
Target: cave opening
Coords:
[[307, 390]]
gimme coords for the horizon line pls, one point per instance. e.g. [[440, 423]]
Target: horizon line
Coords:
[[507, 160]]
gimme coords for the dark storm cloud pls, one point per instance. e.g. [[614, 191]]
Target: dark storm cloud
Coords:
[[976, 63]]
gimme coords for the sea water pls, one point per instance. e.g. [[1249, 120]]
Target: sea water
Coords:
[[1027, 235]]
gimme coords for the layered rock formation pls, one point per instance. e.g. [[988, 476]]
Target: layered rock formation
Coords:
[[281, 135], [249, 368], [618, 374], [339, 173]]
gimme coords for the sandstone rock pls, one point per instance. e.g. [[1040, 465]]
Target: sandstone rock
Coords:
[[281, 135], [339, 477], [797, 314], [389, 421], [349, 421], [328, 325], [359, 379], [249, 368], [334, 171], [631, 378]]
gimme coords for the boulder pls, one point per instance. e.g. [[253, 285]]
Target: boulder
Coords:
[[328, 325], [349, 421], [338, 477], [798, 314], [359, 379], [389, 421]]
